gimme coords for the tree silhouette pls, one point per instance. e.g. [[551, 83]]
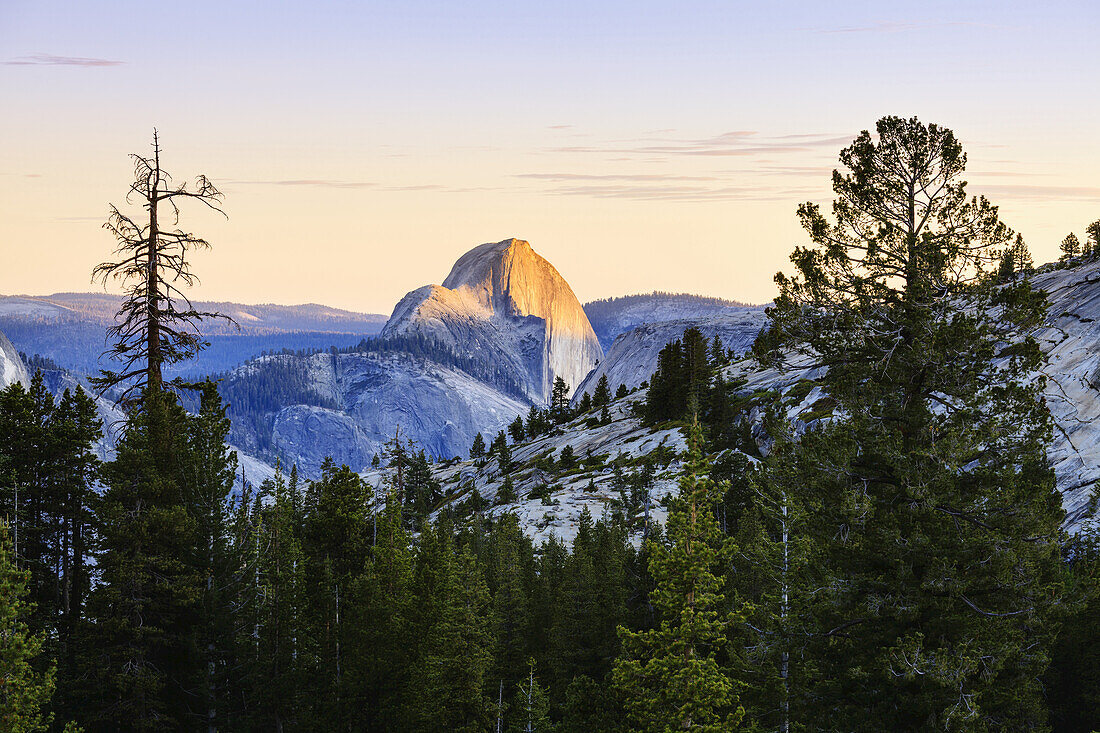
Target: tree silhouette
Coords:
[[156, 323]]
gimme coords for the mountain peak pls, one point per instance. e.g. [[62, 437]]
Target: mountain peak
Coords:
[[505, 302]]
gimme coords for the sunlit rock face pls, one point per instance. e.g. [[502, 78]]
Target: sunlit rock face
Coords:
[[12, 369], [506, 305]]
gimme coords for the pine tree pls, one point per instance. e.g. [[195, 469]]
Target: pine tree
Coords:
[[763, 512], [507, 492], [381, 625], [585, 404], [602, 395], [450, 676], [1093, 232], [559, 401], [422, 490], [667, 394], [477, 450], [670, 676], [1072, 683], [932, 508], [336, 542], [567, 461], [25, 689], [621, 392], [530, 705], [211, 474], [516, 430], [143, 651], [509, 574], [503, 453], [1071, 247], [278, 674], [1014, 261]]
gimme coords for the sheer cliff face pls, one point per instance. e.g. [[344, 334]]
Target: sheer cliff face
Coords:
[[504, 302], [11, 365]]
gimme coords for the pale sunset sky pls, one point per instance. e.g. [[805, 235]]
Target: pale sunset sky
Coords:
[[363, 146]]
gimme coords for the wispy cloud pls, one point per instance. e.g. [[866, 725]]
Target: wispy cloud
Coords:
[[894, 26], [1030, 192], [734, 143], [43, 59], [373, 186], [312, 182], [613, 177], [684, 193]]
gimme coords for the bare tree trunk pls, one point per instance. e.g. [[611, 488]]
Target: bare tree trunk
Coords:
[[500, 708], [152, 278]]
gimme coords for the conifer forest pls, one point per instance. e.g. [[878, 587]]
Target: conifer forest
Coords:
[[897, 561]]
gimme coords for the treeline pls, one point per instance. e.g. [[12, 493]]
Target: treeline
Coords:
[[172, 604], [254, 396], [421, 346], [331, 604]]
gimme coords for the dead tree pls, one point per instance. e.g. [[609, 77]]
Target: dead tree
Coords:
[[156, 323]]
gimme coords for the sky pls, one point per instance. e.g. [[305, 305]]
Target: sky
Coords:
[[363, 146]]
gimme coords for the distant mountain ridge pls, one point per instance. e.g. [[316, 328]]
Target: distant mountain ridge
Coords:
[[69, 328], [613, 316], [263, 318]]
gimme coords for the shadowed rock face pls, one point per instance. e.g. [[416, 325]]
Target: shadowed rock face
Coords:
[[633, 356], [504, 303], [11, 365], [369, 398]]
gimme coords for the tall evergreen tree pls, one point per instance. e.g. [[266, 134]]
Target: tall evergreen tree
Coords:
[[208, 483], [933, 508], [516, 430], [477, 450], [1093, 233], [602, 395], [448, 686], [25, 689], [559, 401], [336, 542], [670, 676], [143, 652], [1072, 683], [381, 624], [280, 648]]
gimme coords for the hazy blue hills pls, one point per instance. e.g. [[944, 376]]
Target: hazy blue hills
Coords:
[[69, 329]]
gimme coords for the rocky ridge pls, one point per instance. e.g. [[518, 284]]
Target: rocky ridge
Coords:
[[632, 358], [506, 304], [12, 369]]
